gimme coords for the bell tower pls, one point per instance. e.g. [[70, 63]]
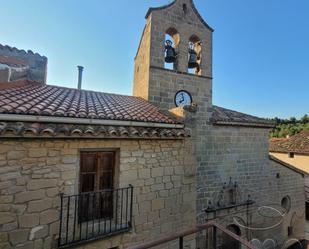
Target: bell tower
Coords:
[[174, 54]]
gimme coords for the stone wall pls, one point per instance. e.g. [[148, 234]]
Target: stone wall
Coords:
[[34, 172], [159, 85], [187, 24], [9, 72], [36, 65], [242, 153], [300, 161], [141, 65], [220, 152], [287, 182]]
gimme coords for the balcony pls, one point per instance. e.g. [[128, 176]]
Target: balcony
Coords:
[[94, 215]]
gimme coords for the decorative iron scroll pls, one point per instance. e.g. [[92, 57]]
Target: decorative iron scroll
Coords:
[[228, 197]]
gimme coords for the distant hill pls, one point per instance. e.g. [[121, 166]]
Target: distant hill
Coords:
[[285, 127]]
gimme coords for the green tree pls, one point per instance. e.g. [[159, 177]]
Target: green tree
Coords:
[[289, 126]]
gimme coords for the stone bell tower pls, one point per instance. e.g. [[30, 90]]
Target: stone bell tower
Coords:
[[157, 81]]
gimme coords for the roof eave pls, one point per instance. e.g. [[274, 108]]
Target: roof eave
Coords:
[[290, 151], [244, 124], [69, 120], [291, 167]]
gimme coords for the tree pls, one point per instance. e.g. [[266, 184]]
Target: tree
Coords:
[[289, 126]]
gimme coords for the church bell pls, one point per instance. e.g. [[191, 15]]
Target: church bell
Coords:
[[192, 63], [170, 53]]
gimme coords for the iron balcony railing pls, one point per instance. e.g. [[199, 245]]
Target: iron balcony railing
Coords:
[[94, 215]]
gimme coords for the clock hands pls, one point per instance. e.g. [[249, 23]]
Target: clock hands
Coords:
[[182, 98]]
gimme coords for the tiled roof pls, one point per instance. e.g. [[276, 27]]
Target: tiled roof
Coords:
[[48, 130], [12, 84], [223, 116], [298, 143], [11, 61], [53, 101]]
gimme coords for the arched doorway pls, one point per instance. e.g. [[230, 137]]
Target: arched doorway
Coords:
[[227, 241]]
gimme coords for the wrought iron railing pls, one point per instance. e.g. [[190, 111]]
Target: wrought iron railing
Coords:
[[211, 236], [94, 215]]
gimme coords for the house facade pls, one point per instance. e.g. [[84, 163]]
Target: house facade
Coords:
[[293, 150], [95, 170]]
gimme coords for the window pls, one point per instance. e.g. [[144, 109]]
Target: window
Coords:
[[96, 174], [194, 55], [291, 154], [171, 45], [100, 209], [184, 8], [286, 203]]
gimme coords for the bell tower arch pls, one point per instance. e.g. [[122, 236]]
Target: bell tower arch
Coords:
[[192, 46]]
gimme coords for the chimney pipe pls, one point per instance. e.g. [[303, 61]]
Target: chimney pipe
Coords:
[[80, 76]]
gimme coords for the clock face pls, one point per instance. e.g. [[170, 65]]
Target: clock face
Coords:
[[183, 98]]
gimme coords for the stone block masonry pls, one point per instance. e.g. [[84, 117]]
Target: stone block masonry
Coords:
[[155, 83], [173, 179], [219, 152], [242, 153], [34, 172], [35, 64]]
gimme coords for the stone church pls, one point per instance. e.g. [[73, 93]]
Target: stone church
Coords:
[[87, 169]]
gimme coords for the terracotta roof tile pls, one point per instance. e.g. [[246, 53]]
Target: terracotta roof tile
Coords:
[[12, 84], [223, 116], [47, 100], [11, 61], [298, 143], [49, 130]]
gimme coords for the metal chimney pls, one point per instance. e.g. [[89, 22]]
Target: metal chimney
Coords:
[[80, 76]]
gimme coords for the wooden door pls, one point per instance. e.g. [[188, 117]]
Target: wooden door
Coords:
[[96, 185]]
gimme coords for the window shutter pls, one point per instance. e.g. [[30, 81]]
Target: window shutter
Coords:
[[96, 173], [88, 171], [106, 162]]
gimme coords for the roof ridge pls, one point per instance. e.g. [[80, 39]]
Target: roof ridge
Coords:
[[22, 51], [94, 91], [303, 131], [296, 143]]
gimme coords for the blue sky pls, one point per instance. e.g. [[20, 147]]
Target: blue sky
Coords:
[[261, 47]]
